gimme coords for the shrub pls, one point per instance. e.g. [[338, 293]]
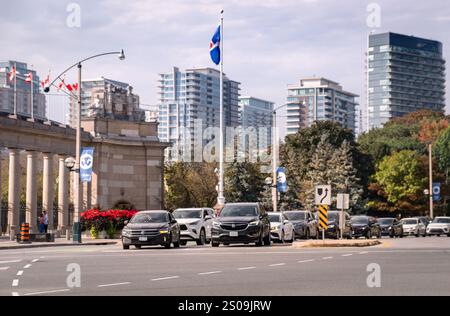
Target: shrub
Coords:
[[105, 220]]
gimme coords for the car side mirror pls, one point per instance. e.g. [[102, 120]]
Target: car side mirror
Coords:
[[286, 222]]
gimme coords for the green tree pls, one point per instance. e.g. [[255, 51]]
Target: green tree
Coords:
[[442, 152], [244, 182]]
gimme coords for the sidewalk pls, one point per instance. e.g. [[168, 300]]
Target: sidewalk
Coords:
[[6, 244]]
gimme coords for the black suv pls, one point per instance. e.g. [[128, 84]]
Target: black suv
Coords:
[[391, 227], [365, 226], [241, 223]]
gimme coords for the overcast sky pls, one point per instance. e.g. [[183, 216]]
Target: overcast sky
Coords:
[[268, 44]]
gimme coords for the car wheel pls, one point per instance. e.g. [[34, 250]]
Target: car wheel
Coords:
[[282, 241], [168, 244], [215, 244], [448, 235], [267, 240], [308, 234], [202, 238], [138, 246], [183, 242], [176, 244], [369, 235], [126, 247]]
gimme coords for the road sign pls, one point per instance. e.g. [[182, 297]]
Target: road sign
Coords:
[[343, 201], [323, 217], [86, 163], [323, 195], [281, 180], [436, 191]]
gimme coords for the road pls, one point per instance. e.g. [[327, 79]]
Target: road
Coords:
[[410, 266]]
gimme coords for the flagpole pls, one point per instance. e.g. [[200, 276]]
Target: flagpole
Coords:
[[32, 94], [15, 89], [221, 198]]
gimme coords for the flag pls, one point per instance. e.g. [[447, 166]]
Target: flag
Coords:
[[13, 73], [69, 87], [46, 82], [62, 85], [214, 47], [29, 77], [75, 86]]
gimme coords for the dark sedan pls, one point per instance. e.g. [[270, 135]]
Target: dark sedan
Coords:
[[391, 227], [305, 225], [151, 228], [334, 227], [365, 226]]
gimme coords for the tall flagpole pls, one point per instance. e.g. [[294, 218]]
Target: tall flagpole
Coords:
[[221, 198], [32, 94], [15, 89]]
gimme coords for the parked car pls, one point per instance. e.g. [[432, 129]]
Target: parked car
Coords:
[[425, 220], [305, 224], [241, 223], [334, 230], [413, 227], [151, 228], [391, 227], [195, 225], [439, 226], [365, 226], [281, 229]]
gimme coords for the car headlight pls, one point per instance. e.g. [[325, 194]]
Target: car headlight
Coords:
[[163, 232], [390, 228], [216, 224], [194, 223], [331, 226], [125, 232], [255, 223]]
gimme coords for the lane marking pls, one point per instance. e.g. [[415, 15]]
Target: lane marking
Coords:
[[15, 294], [167, 278], [20, 273], [15, 282], [246, 268], [11, 261], [306, 261], [277, 265], [327, 258], [35, 260], [4, 268], [27, 266], [47, 292], [114, 284], [347, 255], [209, 273], [363, 253]]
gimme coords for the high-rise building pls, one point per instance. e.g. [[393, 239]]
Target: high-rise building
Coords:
[[257, 113], [106, 98], [192, 96], [23, 91], [319, 99], [405, 74]]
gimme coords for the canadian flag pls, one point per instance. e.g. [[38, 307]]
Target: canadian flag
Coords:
[[62, 85], [72, 87], [12, 74], [29, 77], [75, 86], [46, 82]]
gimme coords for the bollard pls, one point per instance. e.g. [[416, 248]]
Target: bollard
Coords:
[[25, 233]]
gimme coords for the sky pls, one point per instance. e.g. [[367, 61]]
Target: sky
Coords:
[[268, 44]]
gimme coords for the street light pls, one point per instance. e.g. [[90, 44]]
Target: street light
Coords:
[[75, 166]]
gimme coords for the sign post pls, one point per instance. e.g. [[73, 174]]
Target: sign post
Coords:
[[323, 200], [343, 203]]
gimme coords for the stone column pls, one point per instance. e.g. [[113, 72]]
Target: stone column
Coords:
[[14, 193], [31, 203], [48, 195], [63, 196]]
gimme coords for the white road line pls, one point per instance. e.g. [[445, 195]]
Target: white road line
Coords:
[[306, 261], [47, 292], [363, 253], [347, 255], [327, 258], [277, 265], [35, 260], [20, 273], [246, 268], [114, 284], [209, 273], [15, 294], [15, 282], [27, 266], [4, 268], [167, 278], [11, 261]]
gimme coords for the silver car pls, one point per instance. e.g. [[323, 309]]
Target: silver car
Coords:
[[414, 227], [195, 224], [440, 226]]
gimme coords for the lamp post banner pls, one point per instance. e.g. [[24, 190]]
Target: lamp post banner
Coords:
[[86, 163]]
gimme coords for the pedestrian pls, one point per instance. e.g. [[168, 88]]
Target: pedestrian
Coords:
[[45, 222], [41, 223]]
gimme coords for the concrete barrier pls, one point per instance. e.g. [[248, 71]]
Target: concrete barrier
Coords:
[[337, 243]]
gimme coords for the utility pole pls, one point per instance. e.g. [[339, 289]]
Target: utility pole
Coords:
[[430, 155]]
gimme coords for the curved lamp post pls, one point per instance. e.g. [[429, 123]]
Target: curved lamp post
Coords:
[[76, 167]]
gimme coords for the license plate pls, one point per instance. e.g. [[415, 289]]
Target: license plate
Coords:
[[142, 238], [234, 234]]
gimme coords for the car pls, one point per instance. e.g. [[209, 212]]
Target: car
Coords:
[[241, 223], [425, 220], [334, 230], [151, 228], [365, 226], [195, 224], [413, 227], [391, 227], [281, 229], [439, 226], [305, 224]]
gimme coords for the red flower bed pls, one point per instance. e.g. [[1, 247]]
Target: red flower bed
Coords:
[[101, 220]]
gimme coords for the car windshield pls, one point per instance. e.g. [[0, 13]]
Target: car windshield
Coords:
[[239, 211], [181, 214], [360, 220], [274, 218], [442, 220], [295, 216], [149, 218], [386, 221], [410, 221], [333, 217]]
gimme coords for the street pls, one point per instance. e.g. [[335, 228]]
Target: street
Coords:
[[409, 266]]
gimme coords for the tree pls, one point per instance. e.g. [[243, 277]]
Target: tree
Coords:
[[244, 182], [402, 177], [442, 151]]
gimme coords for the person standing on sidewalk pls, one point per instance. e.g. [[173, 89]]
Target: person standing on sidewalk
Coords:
[[41, 223], [45, 222]]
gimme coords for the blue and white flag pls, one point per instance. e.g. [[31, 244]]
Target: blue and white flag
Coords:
[[86, 164], [214, 47], [282, 185]]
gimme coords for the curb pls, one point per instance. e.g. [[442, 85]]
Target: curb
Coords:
[[50, 245], [321, 244]]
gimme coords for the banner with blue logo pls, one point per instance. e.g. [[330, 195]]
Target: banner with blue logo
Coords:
[[86, 163], [281, 180], [436, 192]]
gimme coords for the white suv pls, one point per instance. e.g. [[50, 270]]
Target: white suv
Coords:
[[195, 224], [440, 226]]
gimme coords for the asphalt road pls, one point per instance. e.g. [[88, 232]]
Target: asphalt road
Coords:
[[411, 266]]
